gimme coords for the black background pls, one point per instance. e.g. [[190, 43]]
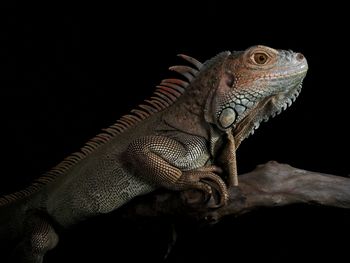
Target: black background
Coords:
[[69, 69]]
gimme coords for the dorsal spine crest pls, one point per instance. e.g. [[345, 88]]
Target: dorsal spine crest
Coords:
[[164, 96]]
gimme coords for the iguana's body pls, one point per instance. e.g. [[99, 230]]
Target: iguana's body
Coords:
[[174, 142]]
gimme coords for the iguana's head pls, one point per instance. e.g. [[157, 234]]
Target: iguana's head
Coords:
[[254, 85]]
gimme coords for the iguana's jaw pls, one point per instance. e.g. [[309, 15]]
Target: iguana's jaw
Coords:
[[268, 107]]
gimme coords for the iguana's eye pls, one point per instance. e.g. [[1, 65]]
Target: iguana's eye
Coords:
[[260, 58]]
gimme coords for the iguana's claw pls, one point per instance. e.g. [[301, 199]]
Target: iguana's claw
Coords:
[[207, 180], [222, 192]]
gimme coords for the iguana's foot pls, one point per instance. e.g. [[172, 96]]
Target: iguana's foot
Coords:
[[206, 179]]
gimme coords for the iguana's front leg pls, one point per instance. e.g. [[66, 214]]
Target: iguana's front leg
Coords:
[[172, 164], [229, 160]]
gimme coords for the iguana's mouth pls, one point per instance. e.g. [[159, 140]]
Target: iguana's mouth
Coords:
[[285, 75]]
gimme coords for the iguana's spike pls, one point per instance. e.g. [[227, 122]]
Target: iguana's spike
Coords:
[[79, 154], [167, 93], [142, 114], [125, 122], [171, 90], [156, 106], [186, 71], [92, 144], [105, 136], [161, 95], [160, 104], [174, 86], [149, 109], [133, 119], [162, 101], [192, 60], [86, 150], [111, 131], [118, 126], [179, 82], [98, 140]]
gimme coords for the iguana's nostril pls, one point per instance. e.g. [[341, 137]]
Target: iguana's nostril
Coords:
[[300, 57]]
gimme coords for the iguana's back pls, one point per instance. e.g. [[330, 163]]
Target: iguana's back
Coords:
[[99, 183]]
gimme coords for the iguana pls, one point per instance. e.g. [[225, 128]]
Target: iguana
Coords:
[[182, 138]]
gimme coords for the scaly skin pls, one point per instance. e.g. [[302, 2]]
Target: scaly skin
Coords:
[[182, 139]]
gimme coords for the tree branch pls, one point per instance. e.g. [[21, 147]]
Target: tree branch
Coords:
[[269, 185]]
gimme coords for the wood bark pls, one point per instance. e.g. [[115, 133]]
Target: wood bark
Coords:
[[269, 185]]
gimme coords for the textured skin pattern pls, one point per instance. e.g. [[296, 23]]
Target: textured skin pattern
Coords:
[[180, 150], [166, 161], [177, 140], [39, 238], [107, 185]]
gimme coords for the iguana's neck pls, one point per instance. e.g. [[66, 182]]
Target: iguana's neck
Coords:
[[187, 115], [188, 112]]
